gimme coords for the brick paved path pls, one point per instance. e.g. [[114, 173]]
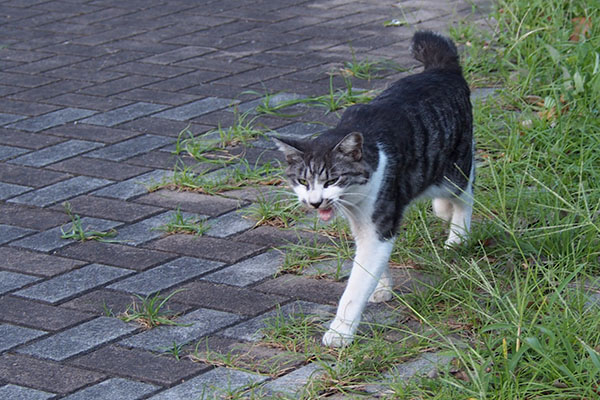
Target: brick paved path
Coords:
[[93, 94]]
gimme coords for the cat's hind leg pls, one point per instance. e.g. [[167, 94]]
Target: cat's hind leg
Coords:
[[462, 209], [442, 208]]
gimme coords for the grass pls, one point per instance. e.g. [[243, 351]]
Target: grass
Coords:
[[79, 233], [150, 311], [508, 305], [181, 224]]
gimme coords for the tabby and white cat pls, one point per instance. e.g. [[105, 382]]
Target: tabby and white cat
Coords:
[[414, 140]]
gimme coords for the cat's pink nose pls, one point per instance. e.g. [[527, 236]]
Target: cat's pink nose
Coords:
[[316, 204]]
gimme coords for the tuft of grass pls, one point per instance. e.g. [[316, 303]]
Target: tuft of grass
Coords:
[[79, 233], [150, 311], [367, 69], [281, 211], [181, 224]]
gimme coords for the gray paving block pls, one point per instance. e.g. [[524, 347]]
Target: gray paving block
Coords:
[[214, 384], [274, 100], [58, 152], [73, 283], [51, 239], [134, 186], [292, 383], [9, 233], [131, 147], [60, 191], [8, 118], [81, 338], [250, 330], [195, 109], [165, 276], [249, 271], [8, 190], [195, 325], [13, 280], [229, 224], [146, 230], [13, 335], [115, 388], [10, 151], [124, 114], [15, 392], [52, 119]]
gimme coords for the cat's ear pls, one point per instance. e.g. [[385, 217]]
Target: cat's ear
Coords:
[[292, 153], [351, 146]]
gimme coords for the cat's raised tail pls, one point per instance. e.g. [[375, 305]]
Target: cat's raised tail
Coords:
[[435, 51]]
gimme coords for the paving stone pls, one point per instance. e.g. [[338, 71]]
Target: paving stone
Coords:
[[299, 287], [45, 375], [140, 365], [8, 118], [95, 133], [116, 210], [274, 237], [35, 263], [211, 385], [195, 325], [12, 137], [39, 316], [249, 271], [195, 109], [115, 388], [51, 239], [229, 224], [78, 339], [9, 233], [8, 190], [99, 168], [58, 152], [165, 276], [180, 54], [224, 250], [50, 120], [13, 335], [123, 114], [132, 187], [116, 254], [17, 174], [72, 283], [189, 201], [11, 280], [10, 151], [226, 298], [250, 330], [292, 384], [81, 100], [131, 147], [15, 392], [147, 229], [60, 191]]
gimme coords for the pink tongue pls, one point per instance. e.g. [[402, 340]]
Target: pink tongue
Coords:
[[325, 214]]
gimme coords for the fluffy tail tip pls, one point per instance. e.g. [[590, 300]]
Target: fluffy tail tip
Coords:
[[435, 51]]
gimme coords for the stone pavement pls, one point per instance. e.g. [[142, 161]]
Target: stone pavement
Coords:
[[93, 94]]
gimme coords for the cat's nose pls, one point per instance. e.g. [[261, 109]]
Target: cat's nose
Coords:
[[316, 204]]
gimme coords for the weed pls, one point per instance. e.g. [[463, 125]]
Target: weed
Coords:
[[78, 232], [150, 312], [181, 224], [280, 210]]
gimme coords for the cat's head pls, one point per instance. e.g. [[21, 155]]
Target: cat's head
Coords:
[[322, 172]]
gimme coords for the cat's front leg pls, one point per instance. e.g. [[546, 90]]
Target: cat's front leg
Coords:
[[370, 262]]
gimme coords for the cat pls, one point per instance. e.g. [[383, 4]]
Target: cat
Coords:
[[413, 140]]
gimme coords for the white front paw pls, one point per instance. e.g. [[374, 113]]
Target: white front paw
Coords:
[[381, 294], [336, 339]]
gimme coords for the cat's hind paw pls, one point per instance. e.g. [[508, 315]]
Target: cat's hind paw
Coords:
[[381, 294], [336, 339]]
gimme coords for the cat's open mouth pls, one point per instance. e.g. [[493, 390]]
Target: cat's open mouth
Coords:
[[325, 213]]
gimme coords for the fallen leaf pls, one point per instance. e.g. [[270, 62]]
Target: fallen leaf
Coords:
[[581, 28]]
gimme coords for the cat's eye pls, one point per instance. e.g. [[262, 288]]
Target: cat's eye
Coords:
[[331, 182], [303, 182]]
